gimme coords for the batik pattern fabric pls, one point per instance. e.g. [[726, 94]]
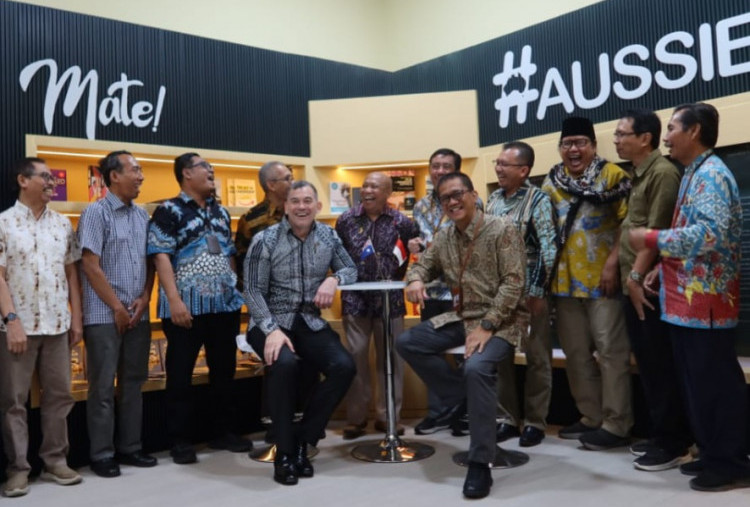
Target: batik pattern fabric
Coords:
[[592, 234], [700, 268], [205, 280]]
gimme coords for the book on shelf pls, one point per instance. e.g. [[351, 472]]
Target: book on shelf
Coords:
[[78, 364], [60, 192], [97, 188], [156, 359], [402, 198], [340, 195], [244, 193]]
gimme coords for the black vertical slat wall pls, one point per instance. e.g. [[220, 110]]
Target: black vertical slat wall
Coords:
[[218, 95], [230, 97]]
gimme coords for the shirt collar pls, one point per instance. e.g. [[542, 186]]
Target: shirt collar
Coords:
[[519, 193], [115, 201], [360, 210], [470, 230], [187, 199], [25, 210], [692, 166], [646, 164]]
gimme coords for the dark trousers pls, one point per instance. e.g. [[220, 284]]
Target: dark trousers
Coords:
[[651, 344], [715, 397], [216, 332], [423, 348], [432, 308], [325, 353]]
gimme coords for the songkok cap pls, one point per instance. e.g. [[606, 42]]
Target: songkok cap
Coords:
[[578, 126]]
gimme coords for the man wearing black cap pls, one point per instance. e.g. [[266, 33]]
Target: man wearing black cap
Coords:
[[590, 197]]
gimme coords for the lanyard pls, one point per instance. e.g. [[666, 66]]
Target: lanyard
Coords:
[[684, 192]]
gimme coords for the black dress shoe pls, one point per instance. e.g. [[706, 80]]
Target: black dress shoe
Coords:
[[304, 467], [136, 459], [183, 454], [284, 470], [478, 480], [531, 436], [506, 431], [106, 467], [232, 443]]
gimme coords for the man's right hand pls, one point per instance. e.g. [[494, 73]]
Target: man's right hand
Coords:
[[275, 341], [16, 337], [180, 314], [416, 293]]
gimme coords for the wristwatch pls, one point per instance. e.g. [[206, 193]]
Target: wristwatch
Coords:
[[487, 325], [636, 277], [337, 277], [9, 318]]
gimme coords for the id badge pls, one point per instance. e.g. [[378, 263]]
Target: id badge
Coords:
[[213, 244], [457, 297]]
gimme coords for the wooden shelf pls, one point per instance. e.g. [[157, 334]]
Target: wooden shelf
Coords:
[[80, 391]]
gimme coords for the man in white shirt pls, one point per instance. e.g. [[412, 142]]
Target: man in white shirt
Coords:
[[38, 278]]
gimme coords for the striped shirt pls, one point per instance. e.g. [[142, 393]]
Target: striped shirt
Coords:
[[116, 233], [530, 210], [283, 274]]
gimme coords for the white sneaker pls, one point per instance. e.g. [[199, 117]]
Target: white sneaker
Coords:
[[17, 485], [61, 474]]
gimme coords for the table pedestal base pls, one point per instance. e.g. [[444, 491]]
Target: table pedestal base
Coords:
[[503, 458], [392, 450], [268, 454]]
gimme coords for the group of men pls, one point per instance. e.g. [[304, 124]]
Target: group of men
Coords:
[[484, 279]]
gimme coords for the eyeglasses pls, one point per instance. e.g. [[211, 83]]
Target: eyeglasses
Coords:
[[447, 165], [619, 134], [504, 165], [47, 177], [288, 178], [205, 165], [453, 196], [578, 143]]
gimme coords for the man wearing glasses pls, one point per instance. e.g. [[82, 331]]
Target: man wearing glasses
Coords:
[[275, 180], [483, 261], [531, 211], [655, 184], [38, 278], [190, 240], [590, 197]]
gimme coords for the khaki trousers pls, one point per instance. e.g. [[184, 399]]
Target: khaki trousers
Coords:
[[358, 331], [51, 357], [538, 385], [600, 385]]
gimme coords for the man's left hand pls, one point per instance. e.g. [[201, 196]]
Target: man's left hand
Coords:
[[136, 309], [324, 296], [476, 340]]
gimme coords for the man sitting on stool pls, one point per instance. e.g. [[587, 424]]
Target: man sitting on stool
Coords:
[[286, 285], [483, 260]]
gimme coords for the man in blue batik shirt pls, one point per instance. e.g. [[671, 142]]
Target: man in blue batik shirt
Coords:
[[190, 240]]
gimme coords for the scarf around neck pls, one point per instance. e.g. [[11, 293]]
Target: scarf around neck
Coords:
[[583, 189]]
